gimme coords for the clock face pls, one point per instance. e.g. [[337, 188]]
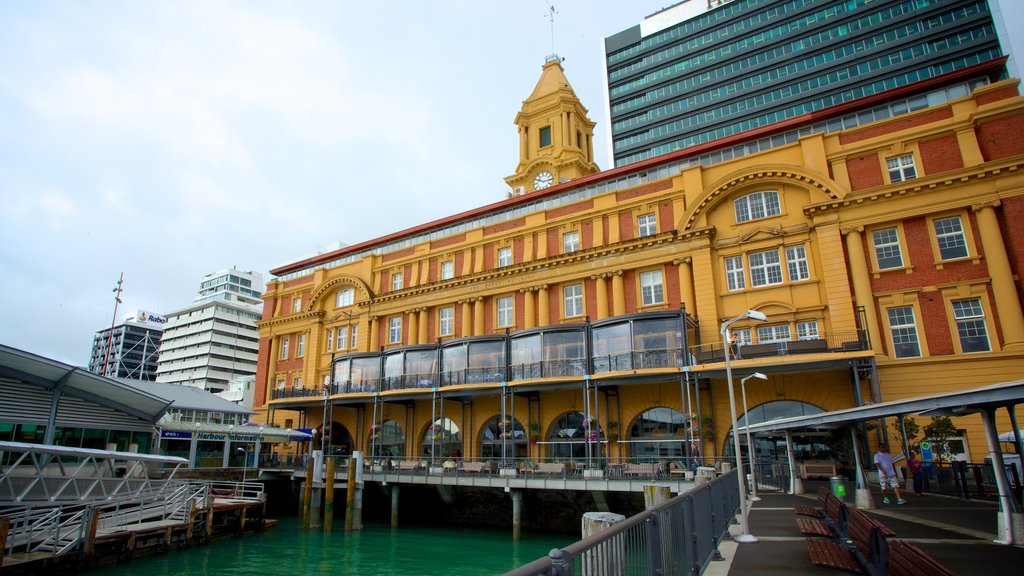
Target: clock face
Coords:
[[543, 180]]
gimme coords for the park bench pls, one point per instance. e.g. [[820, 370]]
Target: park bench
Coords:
[[644, 470], [905, 559], [829, 520], [864, 550], [476, 467], [408, 466], [548, 469]]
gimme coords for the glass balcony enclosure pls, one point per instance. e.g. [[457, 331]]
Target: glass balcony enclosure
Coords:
[[549, 352], [473, 361], [412, 367], [359, 373], [638, 342]]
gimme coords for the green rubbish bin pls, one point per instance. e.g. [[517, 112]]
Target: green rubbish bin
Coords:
[[838, 486]]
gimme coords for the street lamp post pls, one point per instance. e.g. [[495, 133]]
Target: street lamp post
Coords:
[[750, 445], [323, 427], [745, 535], [245, 461]]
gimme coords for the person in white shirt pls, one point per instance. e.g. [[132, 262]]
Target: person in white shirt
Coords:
[[887, 475]]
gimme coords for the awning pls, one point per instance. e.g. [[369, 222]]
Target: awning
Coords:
[[240, 433]]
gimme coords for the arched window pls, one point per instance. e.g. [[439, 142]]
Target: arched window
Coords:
[[387, 439], [441, 439], [659, 433], [503, 439], [568, 437], [345, 297], [810, 446], [756, 205]]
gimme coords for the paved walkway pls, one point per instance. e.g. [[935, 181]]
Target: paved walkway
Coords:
[[957, 533]]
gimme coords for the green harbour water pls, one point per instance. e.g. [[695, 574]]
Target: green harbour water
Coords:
[[286, 550]]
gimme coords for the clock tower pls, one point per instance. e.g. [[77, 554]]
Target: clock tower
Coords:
[[556, 139]]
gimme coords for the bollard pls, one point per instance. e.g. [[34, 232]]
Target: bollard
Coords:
[[654, 495]]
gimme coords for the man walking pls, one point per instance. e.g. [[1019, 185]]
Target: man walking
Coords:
[[887, 474]]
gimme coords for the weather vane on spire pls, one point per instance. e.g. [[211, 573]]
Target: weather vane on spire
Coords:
[[551, 18]]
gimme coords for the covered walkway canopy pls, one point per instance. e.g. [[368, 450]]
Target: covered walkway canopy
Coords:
[[984, 400]]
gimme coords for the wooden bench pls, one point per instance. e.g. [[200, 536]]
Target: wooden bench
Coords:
[[829, 520], [860, 547], [408, 466], [548, 469], [645, 470], [905, 559], [475, 467]]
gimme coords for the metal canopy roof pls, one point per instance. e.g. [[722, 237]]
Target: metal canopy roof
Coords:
[[959, 403], [78, 382], [265, 433]]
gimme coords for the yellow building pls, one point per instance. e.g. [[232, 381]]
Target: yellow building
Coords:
[[580, 317]]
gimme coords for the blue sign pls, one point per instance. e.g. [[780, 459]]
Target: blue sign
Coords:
[[175, 434]]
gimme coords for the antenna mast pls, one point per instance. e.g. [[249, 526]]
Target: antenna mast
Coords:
[[110, 337], [551, 19]]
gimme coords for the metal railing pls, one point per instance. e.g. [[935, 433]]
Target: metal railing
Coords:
[[832, 342], [678, 537]]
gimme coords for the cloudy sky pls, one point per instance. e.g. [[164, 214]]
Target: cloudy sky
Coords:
[[167, 140]]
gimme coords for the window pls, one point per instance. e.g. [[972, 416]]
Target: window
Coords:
[[397, 281], [768, 334], [970, 325], [300, 346], [296, 304], [652, 291], [572, 297], [741, 335], [281, 384], [757, 205], [807, 330], [570, 242], [298, 382], [901, 168], [345, 297], [545, 136], [395, 330], [796, 262], [504, 307], [330, 339], [447, 270], [284, 347], [504, 257], [446, 321], [904, 332], [342, 338], [734, 273], [327, 380], [765, 268], [949, 233], [646, 225], [887, 248], [355, 336]]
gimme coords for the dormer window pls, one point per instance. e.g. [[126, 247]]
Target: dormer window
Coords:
[[757, 205]]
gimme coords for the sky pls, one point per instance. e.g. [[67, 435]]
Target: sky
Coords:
[[168, 140]]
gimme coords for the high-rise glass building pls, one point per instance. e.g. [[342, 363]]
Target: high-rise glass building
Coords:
[[707, 70], [130, 349]]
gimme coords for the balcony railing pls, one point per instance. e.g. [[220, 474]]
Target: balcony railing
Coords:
[[575, 366]]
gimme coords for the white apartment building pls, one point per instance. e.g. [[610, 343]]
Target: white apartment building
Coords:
[[214, 341]]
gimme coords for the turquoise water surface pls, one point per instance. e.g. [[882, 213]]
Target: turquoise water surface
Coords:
[[377, 550]]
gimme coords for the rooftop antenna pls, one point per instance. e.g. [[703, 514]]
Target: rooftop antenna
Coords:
[[110, 337], [551, 18]]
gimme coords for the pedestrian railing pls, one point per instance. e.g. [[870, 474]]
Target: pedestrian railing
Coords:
[[677, 537]]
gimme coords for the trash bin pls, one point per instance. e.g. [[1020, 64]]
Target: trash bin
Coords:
[[838, 486]]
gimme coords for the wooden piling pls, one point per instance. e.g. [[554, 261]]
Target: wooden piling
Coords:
[[307, 494], [5, 528], [350, 495], [329, 496]]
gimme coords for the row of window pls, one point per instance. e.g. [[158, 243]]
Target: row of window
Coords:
[[828, 100], [950, 240], [652, 292], [805, 330], [765, 267], [338, 338], [300, 346], [647, 225], [969, 315]]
